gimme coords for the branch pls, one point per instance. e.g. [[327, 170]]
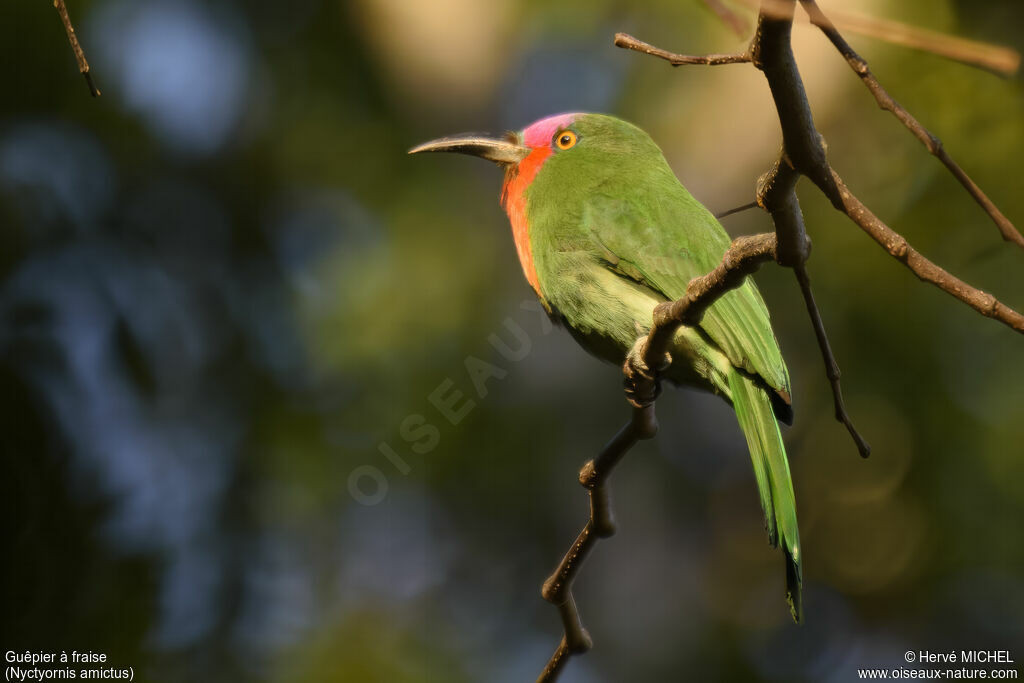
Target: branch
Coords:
[[886, 102], [744, 256], [601, 524], [803, 153], [83, 65], [624, 40], [925, 270], [1002, 61], [831, 367], [803, 148], [735, 210], [776, 189]]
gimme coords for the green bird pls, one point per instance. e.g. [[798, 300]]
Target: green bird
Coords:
[[605, 232]]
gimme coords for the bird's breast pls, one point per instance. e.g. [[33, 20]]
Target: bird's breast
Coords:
[[513, 198]]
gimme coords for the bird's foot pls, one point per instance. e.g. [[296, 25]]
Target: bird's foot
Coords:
[[642, 382]]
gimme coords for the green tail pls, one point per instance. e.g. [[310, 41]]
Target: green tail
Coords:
[[771, 469]]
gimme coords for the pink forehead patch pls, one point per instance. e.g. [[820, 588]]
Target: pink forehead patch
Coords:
[[539, 134]]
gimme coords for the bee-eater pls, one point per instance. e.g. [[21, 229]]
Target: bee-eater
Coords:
[[605, 232]]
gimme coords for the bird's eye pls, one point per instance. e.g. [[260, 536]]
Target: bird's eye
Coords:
[[565, 139]]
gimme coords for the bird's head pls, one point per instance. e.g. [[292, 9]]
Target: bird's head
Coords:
[[542, 138], [593, 143]]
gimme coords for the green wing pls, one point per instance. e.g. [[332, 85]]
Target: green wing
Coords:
[[664, 238], [663, 248]]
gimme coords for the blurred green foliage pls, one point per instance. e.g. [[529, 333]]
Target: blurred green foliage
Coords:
[[225, 285]]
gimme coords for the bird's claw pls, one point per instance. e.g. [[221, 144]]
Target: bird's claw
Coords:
[[641, 381]]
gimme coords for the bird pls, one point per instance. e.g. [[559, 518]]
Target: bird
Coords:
[[605, 231]]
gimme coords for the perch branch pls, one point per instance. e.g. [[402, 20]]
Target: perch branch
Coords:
[[743, 257], [803, 154], [83, 65]]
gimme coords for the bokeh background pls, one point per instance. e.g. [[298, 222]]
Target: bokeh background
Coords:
[[223, 285]]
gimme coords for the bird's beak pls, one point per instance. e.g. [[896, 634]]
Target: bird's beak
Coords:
[[507, 151]]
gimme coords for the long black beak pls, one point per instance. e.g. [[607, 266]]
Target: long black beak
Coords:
[[498, 151]]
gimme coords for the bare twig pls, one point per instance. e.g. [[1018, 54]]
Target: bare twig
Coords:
[[83, 65], [735, 210], [997, 59], [1002, 61], [624, 40], [886, 102], [925, 270], [831, 368]]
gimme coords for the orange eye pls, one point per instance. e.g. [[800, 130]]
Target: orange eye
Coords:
[[565, 139]]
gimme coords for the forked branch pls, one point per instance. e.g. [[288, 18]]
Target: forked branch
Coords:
[[930, 141], [803, 154]]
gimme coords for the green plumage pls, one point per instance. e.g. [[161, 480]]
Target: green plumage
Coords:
[[613, 233]]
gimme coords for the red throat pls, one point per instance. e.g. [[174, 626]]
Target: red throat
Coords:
[[513, 198], [513, 193]]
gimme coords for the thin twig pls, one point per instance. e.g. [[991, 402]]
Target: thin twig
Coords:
[[930, 141], [925, 270], [803, 153], [556, 664], [1002, 61], [736, 209], [83, 65], [624, 40], [831, 367], [997, 59]]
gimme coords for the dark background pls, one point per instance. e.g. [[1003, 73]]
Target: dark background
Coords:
[[223, 284]]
